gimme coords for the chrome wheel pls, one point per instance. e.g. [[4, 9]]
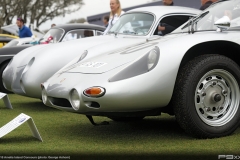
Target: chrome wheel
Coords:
[[217, 97], [206, 97]]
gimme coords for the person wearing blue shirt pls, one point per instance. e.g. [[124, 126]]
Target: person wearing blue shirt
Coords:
[[23, 30]]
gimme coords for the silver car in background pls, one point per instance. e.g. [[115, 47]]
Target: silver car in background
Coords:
[[193, 73], [20, 41], [32, 67], [57, 34]]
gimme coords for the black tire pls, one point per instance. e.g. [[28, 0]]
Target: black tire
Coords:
[[2, 88], [126, 119], [193, 93]]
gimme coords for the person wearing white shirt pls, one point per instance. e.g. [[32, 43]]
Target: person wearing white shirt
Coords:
[[116, 12]]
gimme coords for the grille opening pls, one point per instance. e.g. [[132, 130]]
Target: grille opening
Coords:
[[93, 104], [61, 102]]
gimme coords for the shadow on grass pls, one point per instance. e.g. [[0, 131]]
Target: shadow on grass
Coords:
[[154, 127], [4, 108], [33, 106], [18, 140]]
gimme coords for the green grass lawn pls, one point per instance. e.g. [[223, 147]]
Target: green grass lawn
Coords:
[[71, 134]]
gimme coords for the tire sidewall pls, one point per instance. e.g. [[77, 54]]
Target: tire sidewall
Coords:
[[214, 63]]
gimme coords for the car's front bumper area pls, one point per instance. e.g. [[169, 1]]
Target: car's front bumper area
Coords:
[[12, 79], [121, 97], [7, 77]]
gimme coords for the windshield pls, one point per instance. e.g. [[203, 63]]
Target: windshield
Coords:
[[206, 20], [55, 35], [133, 24], [78, 33]]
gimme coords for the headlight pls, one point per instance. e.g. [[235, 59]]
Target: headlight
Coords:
[[44, 95], [152, 58], [143, 65], [28, 65], [75, 99]]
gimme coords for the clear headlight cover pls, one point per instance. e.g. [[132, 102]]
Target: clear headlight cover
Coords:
[[143, 65], [30, 63], [75, 99], [152, 58]]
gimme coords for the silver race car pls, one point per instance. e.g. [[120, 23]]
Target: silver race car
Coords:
[[34, 66], [192, 73], [57, 34]]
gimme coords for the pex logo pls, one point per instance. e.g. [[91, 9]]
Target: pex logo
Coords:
[[21, 120], [228, 157]]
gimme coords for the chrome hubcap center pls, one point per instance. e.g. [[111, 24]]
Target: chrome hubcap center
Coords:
[[217, 97], [212, 97]]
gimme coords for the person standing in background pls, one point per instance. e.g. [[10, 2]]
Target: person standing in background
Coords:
[[164, 28], [168, 2], [105, 20], [116, 12], [53, 25], [206, 4], [23, 30]]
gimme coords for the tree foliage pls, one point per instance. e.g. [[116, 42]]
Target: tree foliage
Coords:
[[36, 11], [80, 20]]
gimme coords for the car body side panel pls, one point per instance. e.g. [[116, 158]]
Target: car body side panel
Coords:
[[10, 70], [6, 54], [32, 85], [144, 92]]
